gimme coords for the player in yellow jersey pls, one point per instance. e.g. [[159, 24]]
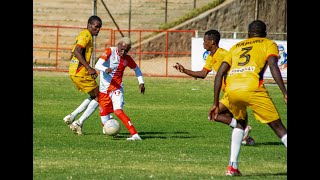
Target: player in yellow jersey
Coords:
[[83, 75], [214, 59], [244, 66]]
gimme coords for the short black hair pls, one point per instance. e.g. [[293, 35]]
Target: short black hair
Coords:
[[214, 35], [257, 28], [94, 18]]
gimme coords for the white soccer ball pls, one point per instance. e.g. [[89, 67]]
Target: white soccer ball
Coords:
[[111, 127]]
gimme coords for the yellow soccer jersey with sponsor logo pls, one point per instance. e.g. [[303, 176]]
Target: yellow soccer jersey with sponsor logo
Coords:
[[248, 61], [84, 39], [214, 62]]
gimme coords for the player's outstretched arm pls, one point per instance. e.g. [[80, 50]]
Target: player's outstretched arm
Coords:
[[197, 74]]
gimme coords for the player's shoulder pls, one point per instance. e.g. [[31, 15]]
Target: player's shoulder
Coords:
[[222, 51], [269, 41], [128, 57], [85, 32]]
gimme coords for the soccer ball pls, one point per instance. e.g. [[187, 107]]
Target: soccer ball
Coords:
[[111, 127]]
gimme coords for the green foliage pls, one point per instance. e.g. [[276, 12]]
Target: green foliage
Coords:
[[191, 14], [171, 118]]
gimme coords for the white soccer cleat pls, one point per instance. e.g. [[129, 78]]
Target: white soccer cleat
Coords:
[[76, 128], [68, 119], [134, 137], [249, 141], [246, 132]]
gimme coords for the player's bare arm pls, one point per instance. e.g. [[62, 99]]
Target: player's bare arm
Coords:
[[197, 74], [78, 53], [179, 67], [276, 74], [223, 69]]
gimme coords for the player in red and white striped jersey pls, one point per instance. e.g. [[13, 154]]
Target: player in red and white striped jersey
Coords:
[[111, 65]]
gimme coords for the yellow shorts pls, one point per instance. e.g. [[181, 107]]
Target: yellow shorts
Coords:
[[259, 101], [225, 101], [84, 83]]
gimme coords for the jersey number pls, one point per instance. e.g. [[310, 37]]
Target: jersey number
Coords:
[[245, 55]]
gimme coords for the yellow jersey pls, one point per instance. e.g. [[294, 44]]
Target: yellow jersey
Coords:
[[214, 61], [248, 61], [85, 40]]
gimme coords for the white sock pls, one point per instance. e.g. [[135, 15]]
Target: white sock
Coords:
[[82, 107], [236, 139], [233, 123], [284, 139], [90, 109], [104, 119]]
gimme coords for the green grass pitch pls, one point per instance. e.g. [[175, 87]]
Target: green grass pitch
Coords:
[[171, 118]]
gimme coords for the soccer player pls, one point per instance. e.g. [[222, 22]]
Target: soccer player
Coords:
[[244, 67], [211, 41], [83, 75], [111, 65]]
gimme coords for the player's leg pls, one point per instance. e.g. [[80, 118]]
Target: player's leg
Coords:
[[70, 117], [280, 130], [89, 85], [239, 110], [77, 81], [106, 108], [118, 103], [265, 111], [236, 139], [224, 107]]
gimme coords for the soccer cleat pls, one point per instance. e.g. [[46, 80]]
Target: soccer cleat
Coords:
[[246, 132], [232, 172], [248, 141], [134, 137], [68, 119], [76, 128]]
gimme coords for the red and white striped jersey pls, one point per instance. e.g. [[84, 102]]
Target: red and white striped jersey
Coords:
[[111, 59]]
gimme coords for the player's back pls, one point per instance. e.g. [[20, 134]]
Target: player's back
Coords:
[[248, 60]]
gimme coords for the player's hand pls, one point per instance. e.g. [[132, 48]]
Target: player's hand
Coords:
[[213, 113], [94, 76], [179, 67], [109, 70], [142, 88], [285, 98], [93, 72]]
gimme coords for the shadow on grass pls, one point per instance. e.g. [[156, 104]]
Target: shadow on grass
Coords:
[[165, 135], [267, 144], [153, 135], [265, 174], [175, 135]]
